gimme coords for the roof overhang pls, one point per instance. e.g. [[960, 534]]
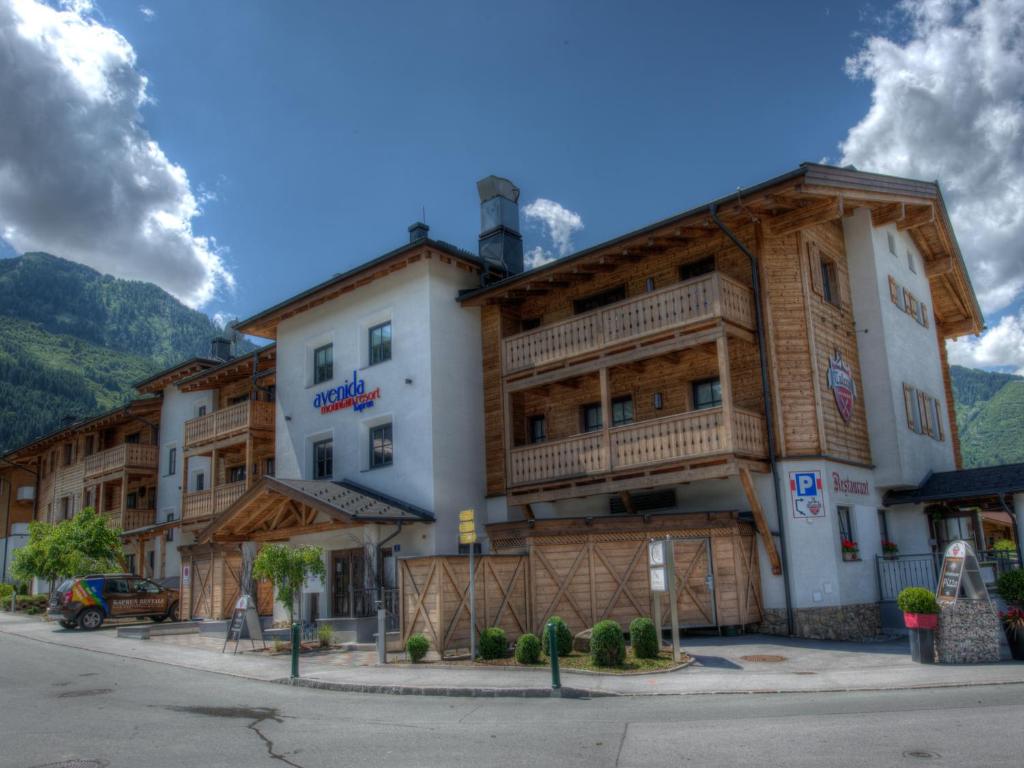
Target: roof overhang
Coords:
[[264, 359], [277, 510], [158, 381]]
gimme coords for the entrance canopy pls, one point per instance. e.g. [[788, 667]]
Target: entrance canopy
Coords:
[[275, 509], [984, 487]]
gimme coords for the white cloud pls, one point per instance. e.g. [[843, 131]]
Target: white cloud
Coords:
[[80, 177], [1002, 346], [149, 13], [948, 104], [559, 222], [538, 257]]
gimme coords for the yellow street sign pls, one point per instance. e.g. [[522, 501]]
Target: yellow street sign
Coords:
[[467, 538], [469, 527], [466, 516]]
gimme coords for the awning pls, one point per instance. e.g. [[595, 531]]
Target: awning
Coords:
[[278, 509], [963, 485]]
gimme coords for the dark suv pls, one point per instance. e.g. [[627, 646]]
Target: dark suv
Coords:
[[88, 601]]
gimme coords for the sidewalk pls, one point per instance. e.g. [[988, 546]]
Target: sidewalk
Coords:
[[807, 666]]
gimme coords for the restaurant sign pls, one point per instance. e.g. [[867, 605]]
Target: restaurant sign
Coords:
[[349, 394], [840, 381]]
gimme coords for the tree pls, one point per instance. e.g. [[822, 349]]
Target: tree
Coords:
[[288, 568], [84, 544]]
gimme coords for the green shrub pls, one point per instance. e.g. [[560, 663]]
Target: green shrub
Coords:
[[607, 646], [917, 600], [417, 646], [528, 649], [279, 646], [325, 634], [6, 591], [643, 636], [1010, 586], [493, 643], [1004, 545], [562, 635], [31, 603]]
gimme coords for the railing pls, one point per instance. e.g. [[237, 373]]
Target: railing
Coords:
[[134, 455], [200, 504], [137, 518], [656, 441], [702, 298], [896, 572], [252, 414], [1003, 560], [362, 603]]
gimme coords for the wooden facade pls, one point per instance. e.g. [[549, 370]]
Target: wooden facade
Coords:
[[214, 583]]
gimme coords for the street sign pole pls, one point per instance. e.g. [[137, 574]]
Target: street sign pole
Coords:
[[467, 535], [670, 567]]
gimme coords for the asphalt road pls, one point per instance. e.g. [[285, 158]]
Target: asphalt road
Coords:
[[59, 704]]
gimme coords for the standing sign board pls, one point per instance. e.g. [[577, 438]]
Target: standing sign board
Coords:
[[960, 575], [244, 620], [661, 565], [807, 497]]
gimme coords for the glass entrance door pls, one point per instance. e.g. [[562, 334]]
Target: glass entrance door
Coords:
[[349, 583]]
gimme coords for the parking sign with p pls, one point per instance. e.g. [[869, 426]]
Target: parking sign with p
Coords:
[[806, 490]]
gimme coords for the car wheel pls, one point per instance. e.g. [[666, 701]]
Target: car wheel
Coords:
[[67, 624], [158, 619], [90, 619], [172, 614]]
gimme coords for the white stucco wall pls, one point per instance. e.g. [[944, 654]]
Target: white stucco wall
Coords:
[[894, 349]]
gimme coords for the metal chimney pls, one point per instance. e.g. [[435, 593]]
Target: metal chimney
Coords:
[[220, 348], [418, 231], [501, 245]]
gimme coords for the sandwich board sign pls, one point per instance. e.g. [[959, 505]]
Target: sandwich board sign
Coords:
[[244, 620], [960, 575]]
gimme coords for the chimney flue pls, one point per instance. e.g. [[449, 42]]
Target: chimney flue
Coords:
[[220, 348], [418, 231], [501, 245]]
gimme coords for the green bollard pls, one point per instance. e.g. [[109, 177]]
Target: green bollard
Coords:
[[296, 647], [556, 680]]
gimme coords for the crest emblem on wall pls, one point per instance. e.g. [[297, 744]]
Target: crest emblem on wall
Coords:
[[840, 381]]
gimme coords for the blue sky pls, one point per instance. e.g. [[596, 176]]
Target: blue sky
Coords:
[[313, 133]]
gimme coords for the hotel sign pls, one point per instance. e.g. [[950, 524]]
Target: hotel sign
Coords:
[[840, 381], [350, 394]]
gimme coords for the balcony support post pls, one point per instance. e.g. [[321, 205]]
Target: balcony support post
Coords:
[[725, 386], [248, 461], [124, 496], [606, 419], [101, 498], [213, 475]]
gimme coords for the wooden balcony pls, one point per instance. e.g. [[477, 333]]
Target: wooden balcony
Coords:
[[642, 445], [122, 457], [200, 505], [693, 302], [131, 519], [235, 420]]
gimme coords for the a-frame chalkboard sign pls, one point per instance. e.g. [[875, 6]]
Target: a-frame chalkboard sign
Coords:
[[960, 575], [244, 620]]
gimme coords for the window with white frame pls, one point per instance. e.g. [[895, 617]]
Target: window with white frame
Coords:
[[381, 446], [323, 459], [380, 343], [323, 363]]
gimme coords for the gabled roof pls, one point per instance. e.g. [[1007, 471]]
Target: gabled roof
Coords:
[[264, 324], [176, 372], [231, 370], [963, 484], [808, 194]]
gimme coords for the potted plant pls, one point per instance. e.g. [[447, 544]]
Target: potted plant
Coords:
[[890, 549], [850, 550], [921, 616], [1013, 625]]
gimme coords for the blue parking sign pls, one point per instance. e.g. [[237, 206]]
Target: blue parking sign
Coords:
[[807, 498]]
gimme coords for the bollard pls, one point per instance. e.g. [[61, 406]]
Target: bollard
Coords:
[[296, 647], [556, 680], [382, 633]]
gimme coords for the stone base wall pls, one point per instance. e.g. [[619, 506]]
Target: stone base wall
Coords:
[[862, 621], [969, 633]]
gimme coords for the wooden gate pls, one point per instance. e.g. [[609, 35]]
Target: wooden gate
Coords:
[[435, 598], [202, 588], [215, 583]]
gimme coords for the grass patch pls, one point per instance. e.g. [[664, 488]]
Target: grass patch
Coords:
[[582, 662]]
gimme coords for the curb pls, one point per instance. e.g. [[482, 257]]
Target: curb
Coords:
[[470, 692]]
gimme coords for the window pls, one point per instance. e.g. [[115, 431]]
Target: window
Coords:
[[845, 523], [530, 323], [200, 481], [883, 525], [922, 316], [380, 343], [892, 243], [133, 439], [90, 445], [924, 413], [200, 411], [236, 474], [829, 282], [172, 461], [707, 394], [132, 500], [65, 508], [590, 416], [697, 268], [323, 460], [69, 454], [910, 262], [268, 466], [144, 586], [381, 446], [323, 363], [910, 404], [622, 410], [597, 300], [244, 398], [538, 429]]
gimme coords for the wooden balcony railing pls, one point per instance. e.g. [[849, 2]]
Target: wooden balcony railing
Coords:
[[235, 419], [137, 518], [699, 299], [201, 504], [657, 441], [126, 456]]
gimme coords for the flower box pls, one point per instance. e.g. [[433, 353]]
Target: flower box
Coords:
[[921, 620]]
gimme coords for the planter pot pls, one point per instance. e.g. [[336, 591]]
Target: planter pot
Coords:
[[851, 557], [922, 645], [921, 620], [1016, 643]]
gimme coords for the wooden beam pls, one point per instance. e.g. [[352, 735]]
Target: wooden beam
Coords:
[[760, 522], [916, 216], [805, 216], [940, 266], [886, 214], [627, 501]]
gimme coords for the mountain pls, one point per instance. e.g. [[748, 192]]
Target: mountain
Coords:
[[989, 416], [72, 341]]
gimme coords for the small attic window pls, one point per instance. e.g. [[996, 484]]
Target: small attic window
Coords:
[[892, 243]]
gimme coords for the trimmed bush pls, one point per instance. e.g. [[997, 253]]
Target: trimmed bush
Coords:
[[643, 636], [917, 600], [528, 649], [325, 634], [607, 646], [417, 646], [493, 643], [6, 590], [562, 635], [1010, 586]]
